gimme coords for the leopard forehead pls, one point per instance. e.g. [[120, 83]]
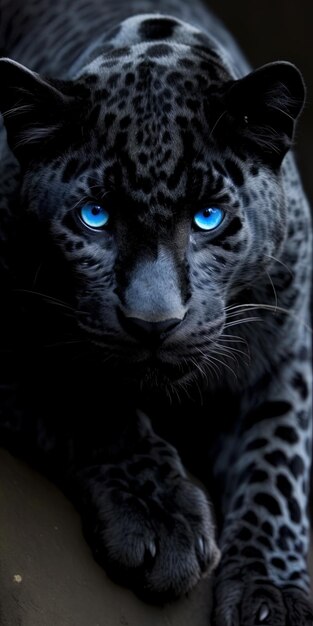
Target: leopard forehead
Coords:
[[164, 80], [152, 35], [150, 87], [149, 123]]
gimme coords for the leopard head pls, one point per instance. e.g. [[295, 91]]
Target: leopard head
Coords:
[[155, 178]]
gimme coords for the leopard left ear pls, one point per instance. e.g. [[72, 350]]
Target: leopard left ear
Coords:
[[34, 109], [267, 103]]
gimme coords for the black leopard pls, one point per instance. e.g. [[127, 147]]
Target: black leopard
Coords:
[[155, 278]]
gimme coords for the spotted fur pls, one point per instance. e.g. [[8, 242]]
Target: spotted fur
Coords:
[[149, 346]]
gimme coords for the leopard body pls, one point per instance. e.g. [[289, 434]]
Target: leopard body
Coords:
[[134, 351]]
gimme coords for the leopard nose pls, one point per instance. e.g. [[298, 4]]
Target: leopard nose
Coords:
[[147, 330]]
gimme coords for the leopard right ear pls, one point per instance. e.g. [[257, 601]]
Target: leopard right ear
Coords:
[[34, 109], [265, 106]]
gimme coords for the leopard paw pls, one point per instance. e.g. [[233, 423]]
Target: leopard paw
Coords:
[[239, 603], [159, 540]]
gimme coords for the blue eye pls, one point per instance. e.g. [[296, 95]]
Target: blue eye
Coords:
[[209, 218], [94, 216]]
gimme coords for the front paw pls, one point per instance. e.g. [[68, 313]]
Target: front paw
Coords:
[[155, 536], [239, 603]]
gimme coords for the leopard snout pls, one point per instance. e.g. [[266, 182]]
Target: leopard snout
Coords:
[[147, 331]]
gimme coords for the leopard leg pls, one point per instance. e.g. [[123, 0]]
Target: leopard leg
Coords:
[[147, 523], [263, 575]]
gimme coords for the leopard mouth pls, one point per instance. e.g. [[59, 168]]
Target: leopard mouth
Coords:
[[155, 371]]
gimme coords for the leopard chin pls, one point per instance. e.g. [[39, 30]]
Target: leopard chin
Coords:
[[157, 374]]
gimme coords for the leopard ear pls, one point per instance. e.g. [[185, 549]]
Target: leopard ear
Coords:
[[33, 108], [267, 103]]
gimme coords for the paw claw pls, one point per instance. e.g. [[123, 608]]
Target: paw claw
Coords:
[[151, 548], [201, 546], [263, 614], [208, 554], [202, 552]]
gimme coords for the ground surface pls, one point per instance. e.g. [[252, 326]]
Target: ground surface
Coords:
[[47, 574]]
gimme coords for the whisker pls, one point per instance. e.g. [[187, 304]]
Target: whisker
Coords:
[[233, 339], [208, 362], [37, 274], [83, 198], [269, 256], [217, 122], [45, 296], [220, 352], [244, 308], [225, 365], [236, 350], [273, 287], [243, 321], [203, 374]]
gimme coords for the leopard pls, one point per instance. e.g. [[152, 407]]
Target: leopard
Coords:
[[156, 252]]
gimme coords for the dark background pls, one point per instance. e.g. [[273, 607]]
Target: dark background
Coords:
[[271, 30]]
